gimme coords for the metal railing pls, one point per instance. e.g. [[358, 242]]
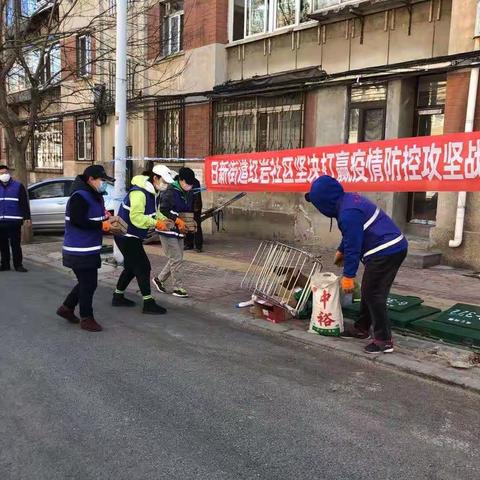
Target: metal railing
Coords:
[[279, 272]]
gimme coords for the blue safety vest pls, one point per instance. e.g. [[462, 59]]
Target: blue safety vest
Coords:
[[10, 202], [79, 241], [380, 234], [124, 213]]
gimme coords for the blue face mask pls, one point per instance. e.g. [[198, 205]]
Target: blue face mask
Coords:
[[103, 187]]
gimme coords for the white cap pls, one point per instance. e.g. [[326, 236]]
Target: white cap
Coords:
[[164, 172]]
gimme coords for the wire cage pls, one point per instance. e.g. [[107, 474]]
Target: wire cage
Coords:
[[282, 274]]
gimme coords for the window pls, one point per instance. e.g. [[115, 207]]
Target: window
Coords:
[[84, 140], [252, 17], [431, 104], [131, 72], [84, 55], [48, 190], [367, 113], [173, 28], [17, 78], [111, 81], [170, 129], [52, 65], [47, 151], [431, 96], [258, 124]]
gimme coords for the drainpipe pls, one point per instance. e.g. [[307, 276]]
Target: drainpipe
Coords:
[[462, 196]]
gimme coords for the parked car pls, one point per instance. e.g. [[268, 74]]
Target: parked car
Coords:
[[48, 200]]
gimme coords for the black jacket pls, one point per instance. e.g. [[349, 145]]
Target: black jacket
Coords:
[[79, 217]]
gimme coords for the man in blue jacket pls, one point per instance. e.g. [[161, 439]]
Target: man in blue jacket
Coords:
[[369, 236], [14, 212]]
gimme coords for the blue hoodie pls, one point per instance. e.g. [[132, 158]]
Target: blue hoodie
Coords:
[[367, 231]]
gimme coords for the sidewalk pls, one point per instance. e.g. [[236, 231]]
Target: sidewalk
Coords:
[[214, 278]]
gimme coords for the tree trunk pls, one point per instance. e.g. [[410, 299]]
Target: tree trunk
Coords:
[[17, 158]]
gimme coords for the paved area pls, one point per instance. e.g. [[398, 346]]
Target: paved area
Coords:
[[187, 396]]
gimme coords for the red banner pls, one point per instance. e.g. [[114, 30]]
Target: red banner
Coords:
[[440, 163]]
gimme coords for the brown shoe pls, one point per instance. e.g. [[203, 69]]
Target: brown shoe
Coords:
[[67, 314], [90, 325]]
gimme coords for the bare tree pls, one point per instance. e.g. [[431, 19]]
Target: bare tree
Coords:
[[41, 73]]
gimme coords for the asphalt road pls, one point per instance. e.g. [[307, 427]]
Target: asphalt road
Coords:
[[190, 397]]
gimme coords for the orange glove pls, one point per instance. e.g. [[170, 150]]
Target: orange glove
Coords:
[[162, 225], [106, 227], [348, 284], [338, 261], [182, 226]]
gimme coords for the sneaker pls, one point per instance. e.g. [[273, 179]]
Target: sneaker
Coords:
[[4, 268], [376, 348], [180, 292], [67, 314], [119, 300], [21, 269], [90, 325], [150, 307], [159, 285], [355, 333]]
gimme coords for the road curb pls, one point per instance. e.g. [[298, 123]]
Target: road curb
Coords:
[[351, 348]]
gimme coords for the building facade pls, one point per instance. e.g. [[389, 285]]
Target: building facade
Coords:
[[231, 76]]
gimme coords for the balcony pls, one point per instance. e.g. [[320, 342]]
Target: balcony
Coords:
[[325, 11]]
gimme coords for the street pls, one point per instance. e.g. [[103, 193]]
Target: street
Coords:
[[191, 397]]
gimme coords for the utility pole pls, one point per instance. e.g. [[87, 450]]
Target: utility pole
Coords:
[[120, 110]]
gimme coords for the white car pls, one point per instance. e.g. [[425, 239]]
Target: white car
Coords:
[[48, 200]]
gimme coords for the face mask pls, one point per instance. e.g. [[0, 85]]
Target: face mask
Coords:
[[102, 188], [162, 186], [5, 177]]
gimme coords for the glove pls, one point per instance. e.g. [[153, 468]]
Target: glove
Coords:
[[162, 225], [181, 225], [106, 226], [348, 284], [338, 261]]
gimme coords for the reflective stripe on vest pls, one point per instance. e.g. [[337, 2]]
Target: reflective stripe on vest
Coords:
[[371, 219], [384, 246], [80, 249], [126, 207], [10, 199]]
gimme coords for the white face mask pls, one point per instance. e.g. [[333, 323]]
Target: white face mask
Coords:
[[5, 177]]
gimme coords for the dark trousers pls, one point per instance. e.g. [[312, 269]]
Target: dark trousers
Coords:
[[195, 239], [135, 265], [83, 292], [377, 281], [11, 237]]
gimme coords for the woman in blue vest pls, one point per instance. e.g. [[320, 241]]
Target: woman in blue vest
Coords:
[[14, 211], [371, 237], [84, 226], [139, 211]]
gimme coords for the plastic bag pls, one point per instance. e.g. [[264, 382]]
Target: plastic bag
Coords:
[[327, 316]]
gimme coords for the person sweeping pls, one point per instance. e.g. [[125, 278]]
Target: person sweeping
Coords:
[[370, 236]]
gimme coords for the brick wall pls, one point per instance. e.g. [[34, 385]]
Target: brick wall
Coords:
[[456, 104], [154, 19], [197, 130], [69, 139], [205, 23], [69, 58], [151, 133]]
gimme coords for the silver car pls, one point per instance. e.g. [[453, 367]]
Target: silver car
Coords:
[[48, 200]]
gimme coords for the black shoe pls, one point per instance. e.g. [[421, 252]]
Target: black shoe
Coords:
[[21, 269], [150, 307], [4, 268], [376, 348], [119, 300], [355, 333], [199, 250], [188, 247]]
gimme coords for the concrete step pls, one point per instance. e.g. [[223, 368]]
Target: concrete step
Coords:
[[422, 259]]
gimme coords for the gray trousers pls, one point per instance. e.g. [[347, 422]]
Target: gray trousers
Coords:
[[173, 249]]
